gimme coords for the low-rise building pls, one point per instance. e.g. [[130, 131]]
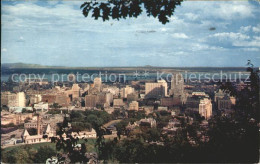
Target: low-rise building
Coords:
[[117, 103], [41, 107], [84, 134], [147, 122]]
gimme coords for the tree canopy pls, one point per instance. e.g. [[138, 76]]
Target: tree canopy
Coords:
[[118, 9]]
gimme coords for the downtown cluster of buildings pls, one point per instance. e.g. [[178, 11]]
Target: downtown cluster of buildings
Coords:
[[176, 96]]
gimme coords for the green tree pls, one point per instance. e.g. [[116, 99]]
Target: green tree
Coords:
[[153, 134], [43, 154], [19, 155]]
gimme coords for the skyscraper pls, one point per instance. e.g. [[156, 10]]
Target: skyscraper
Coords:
[[21, 100], [156, 90], [98, 83], [75, 91], [177, 85], [205, 108], [90, 101]]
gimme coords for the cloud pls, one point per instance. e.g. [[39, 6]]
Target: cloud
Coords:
[[191, 16], [21, 39], [230, 36], [233, 40], [254, 43], [244, 29], [234, 10], [163, 29], [205, 47], [61, 29], [31, 16], [251, 49], [180, 36], [4, 50], [256, 29], [216, 10]]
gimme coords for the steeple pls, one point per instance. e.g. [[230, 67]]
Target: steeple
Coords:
[[25, 133]]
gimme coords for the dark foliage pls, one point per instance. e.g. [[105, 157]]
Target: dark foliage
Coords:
[[118, 9], [43, 154]]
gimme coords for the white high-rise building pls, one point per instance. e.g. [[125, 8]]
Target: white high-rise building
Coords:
[[205, 108], [156, 90], [21, 99]]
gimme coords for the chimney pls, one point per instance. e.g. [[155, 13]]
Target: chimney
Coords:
[[38, 125]]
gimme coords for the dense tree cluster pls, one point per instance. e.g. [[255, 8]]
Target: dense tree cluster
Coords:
[[27, 154]]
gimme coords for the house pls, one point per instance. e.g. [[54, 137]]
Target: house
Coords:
[[84, 134]]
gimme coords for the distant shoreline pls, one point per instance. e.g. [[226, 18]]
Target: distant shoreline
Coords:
[[38, 66]]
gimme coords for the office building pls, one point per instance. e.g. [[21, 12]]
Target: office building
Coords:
[[205, 108], [90, 101], [156, 90]]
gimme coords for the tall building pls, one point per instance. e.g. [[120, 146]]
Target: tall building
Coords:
[[127, 90], [177, 85], [98, 83], [101, 99], [109, 98], [220, 94], [205, 108], [13, 100], [91, 101], [224, 103], [156, 90], [8, 99], [75, 91], [62, 99], [224, 100], [193, 101]]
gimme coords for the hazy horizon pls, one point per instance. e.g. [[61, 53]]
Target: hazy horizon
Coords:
[[147, 66]]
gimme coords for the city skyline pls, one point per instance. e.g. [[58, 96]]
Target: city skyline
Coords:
[[198, 35]]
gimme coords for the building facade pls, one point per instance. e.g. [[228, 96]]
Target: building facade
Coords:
[[156, 90], [205, 108]]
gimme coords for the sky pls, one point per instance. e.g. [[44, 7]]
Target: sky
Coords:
[[56, 33]]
